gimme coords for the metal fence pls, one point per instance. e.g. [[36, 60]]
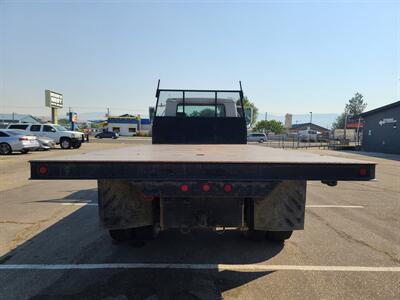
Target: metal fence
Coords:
[[295, 142]]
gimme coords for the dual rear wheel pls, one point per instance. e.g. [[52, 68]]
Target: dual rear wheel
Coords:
[[140, 233]]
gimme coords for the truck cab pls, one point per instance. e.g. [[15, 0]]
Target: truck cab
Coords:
[[199, 117]]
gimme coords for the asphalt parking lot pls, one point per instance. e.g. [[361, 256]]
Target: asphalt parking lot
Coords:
[[51, 245]]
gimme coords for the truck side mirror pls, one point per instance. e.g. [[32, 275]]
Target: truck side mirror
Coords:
[[248, 114]]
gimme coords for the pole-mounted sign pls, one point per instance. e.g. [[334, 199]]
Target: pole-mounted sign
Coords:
[[54, 101]]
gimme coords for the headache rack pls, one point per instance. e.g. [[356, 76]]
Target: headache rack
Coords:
[[214, 124]]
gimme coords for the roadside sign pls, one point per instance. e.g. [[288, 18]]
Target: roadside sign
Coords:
[[53, 99]]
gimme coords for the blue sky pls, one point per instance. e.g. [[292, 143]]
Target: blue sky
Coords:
[[293, 56]]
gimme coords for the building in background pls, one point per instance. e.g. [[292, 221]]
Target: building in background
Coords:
[[381, 132], [6, 119], [288, 121], [128, 125], [304, 126]]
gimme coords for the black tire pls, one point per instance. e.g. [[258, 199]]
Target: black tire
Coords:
[[250, 233], [24, 151], [5, 149], [261, 141], [138, 234], [65, 143], [77, 145], [121, 235], [146, 233], [278, 236]]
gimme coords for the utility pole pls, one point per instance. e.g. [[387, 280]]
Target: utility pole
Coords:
[[310, 118], [108, 112], [266, 116]]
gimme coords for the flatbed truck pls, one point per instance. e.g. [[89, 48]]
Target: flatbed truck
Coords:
[[199, 173]]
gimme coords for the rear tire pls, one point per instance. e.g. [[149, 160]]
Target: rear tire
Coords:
[[138, 234], [146, 233], [5, 149], [65, 143], [250, 233], [278, 236], [121, 235]]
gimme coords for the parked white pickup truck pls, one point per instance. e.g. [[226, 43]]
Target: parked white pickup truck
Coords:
[[63, 137]]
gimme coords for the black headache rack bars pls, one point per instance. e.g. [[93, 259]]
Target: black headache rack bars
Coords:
[[156, 171], [210, 129]]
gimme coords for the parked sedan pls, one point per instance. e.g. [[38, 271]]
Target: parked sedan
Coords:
[[107, 134], [15, 140], [45, 142], [257, 137]]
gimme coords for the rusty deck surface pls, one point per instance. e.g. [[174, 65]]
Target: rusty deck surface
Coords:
[[204, 154]]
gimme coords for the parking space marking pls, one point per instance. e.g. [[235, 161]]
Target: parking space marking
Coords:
[[219, 267], [334, 206], [79, 204], [307, 206]]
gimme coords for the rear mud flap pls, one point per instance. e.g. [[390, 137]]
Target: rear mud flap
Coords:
[[121, 205], [282, 209]]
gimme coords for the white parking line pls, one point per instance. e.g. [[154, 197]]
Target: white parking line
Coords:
[[334, 206], [219, 267], [79, 204], [307, 206]]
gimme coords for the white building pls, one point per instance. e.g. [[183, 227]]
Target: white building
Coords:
[[127, 125]]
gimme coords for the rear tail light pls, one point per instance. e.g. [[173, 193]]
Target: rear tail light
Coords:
[[24, 139], [206, 187], [363, 171], [184, 188], [43, 170], [228, 188]]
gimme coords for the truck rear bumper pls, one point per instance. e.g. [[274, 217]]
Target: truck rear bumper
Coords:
[[154, 171]]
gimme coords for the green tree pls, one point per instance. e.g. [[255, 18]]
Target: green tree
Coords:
[[355, 106], [352, 109], [339, 123], [248, 103], [63, 122], [269, 126]]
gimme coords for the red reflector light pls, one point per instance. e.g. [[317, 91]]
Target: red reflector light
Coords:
[[43, 170], [228, 188], [363, 171], [184, 188], [23, 139], [205, 187]]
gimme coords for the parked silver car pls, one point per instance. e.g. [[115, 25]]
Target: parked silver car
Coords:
[[15, 140], [45, 142], [257, 137]]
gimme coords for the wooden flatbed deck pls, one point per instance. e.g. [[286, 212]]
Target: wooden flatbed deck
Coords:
[[205, 162]]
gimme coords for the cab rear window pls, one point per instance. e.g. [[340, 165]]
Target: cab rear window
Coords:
[[200, 110]]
